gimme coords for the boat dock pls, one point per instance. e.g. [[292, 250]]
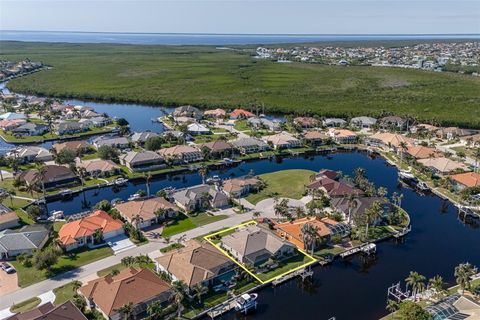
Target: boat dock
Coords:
[[304, 273], [367, 248], [221, 309], [232, 304], [403, 232]]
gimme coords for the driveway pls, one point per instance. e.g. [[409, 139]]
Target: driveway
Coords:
[[8, 282], [120, 243]]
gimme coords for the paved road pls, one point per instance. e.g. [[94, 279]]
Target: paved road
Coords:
[[88, 272]]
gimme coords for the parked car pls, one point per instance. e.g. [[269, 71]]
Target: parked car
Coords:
[[7, 267]]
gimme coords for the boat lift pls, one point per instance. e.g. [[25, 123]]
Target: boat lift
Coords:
[[396, 292]]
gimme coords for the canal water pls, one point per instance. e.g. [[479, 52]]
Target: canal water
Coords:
[[354, 288]]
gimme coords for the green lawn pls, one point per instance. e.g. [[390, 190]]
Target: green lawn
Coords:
[[171, 247], [67, 262], [26, 305], [285, 183], [242, 125], [285, 266], [64, 293], [7, 136], [184, 223], [207, 77]]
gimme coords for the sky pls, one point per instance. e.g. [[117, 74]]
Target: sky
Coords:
[[247, 17]]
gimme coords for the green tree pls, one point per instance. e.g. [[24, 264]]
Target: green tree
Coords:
[[417, 282], [154, 143], [154, 310], [107, 153], [463, 275], [180, 290], [34, 211], [126, 311], [409, 310], [103, 205], [310, 236], [65, 156], [199, 291]]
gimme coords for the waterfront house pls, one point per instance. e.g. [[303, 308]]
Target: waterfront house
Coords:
[[145, 213], [142, 161], [333, 188], [442, 165], [292, 230], [387, 141], [342, 136], [306, 122], [8, 219], [53, 176], [361, 204], [421, 152], [451, 133], [316, 138], [100, 121], [241, 114], [69, 127], [181, 153], [264, 123], [217, 149], [215, 113], [196, 263], [81, 232], [77, 146], [200, 197], [114, 142], [64, 311], [254, 246], [12, 116], [423, 128], [249, 145], [239, 187], [393, 123], [472, 141], [197, 129], [9, 125], [465, 180], [30, 129], [139, 138], [187, 111], [138, 287], [334, 123], [30, 154], [99, 167], [25, 240], [363, 122], [456, 306], [282, 140]]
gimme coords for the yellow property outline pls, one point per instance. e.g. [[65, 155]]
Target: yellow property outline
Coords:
[[252, 222]]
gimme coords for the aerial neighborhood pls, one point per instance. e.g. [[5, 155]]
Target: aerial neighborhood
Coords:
[[188, 220]]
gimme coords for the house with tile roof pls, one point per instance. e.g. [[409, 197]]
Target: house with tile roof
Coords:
[[215, 113], [8, 220], [361, 204], [140, 287], [241, 114], [316, 138], [25, 240], [442, 165], [282, 140], [249, 145], [53, 176], [28, 154], [238, 187], [388, 140], [98, 167], [196, 263], [333, 188], [181, 153], [47, 311], [199, 197], [253, 246], [306, 122], [139, 138], [30, 129], [363, 122], [80, 233], [147, 210], [77, 146], [393, 122], [334, 123], [465, 180], [292, 230], [421, 152], [217, 149], [342, 136], [143, 161], [187, 111]]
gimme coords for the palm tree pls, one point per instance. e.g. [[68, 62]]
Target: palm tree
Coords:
[[147, 177], [463, 275], [154, 310], [417, 282], [372, 213], [436, 283], [352, 204], [382, 192], [98, 236], [76, 285], [310, 236], [392, 306], [128, 261], [476, 156], [160, 214], [202, 171], [136, 220], [82, 172], [179, 292], [126, 311], [403, 146], [40, 176], [30, 188], [198, 291]]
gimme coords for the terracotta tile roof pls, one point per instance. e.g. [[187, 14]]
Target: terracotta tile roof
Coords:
[[145, 208], [241, 113], [71, 145], [8, 216], [215, 112], [110, 293], [468, 179], [237, 184], [294, 228], [421, 152], [443, 165], [194, 263], [334, 188], [306, 121], [52, 173], [217, 146], [87, 226], [97, 165], [315, 135], [341, 133], [64, 311], [177, 151], [392, 139]]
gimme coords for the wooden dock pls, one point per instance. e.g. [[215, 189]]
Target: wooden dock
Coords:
[[304, 273], [367, 248], [403, 232], [221, 309]]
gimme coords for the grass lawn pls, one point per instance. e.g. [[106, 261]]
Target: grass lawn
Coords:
[[67, 262], [64, 293], [7, 136], [204, 76], [285, 183], [26, 305], [285, 266], [24, 217], [15, 203], [325, 252], [172, 247], [184, 223], [242, 125]]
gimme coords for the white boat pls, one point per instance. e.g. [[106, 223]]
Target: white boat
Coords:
[[55, 215], [406, 175], [422, 186], [65, 192], [246, 301], [134, 196], [120, 181], [214, 179]]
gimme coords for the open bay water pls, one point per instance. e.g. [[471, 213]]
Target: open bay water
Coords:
[[208, 39]]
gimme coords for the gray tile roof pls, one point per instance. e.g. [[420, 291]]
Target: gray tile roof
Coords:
[[27, 238]]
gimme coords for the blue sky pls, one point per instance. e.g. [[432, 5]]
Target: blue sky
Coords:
[[229, 16]]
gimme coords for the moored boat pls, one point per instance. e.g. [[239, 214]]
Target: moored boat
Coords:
[[246, 302]]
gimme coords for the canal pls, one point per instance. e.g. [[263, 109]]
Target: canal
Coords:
[[354, 288]]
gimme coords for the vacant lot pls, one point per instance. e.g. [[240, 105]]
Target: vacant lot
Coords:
[[208, 77]]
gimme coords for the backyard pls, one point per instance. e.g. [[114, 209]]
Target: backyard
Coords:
[[184, 223]]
